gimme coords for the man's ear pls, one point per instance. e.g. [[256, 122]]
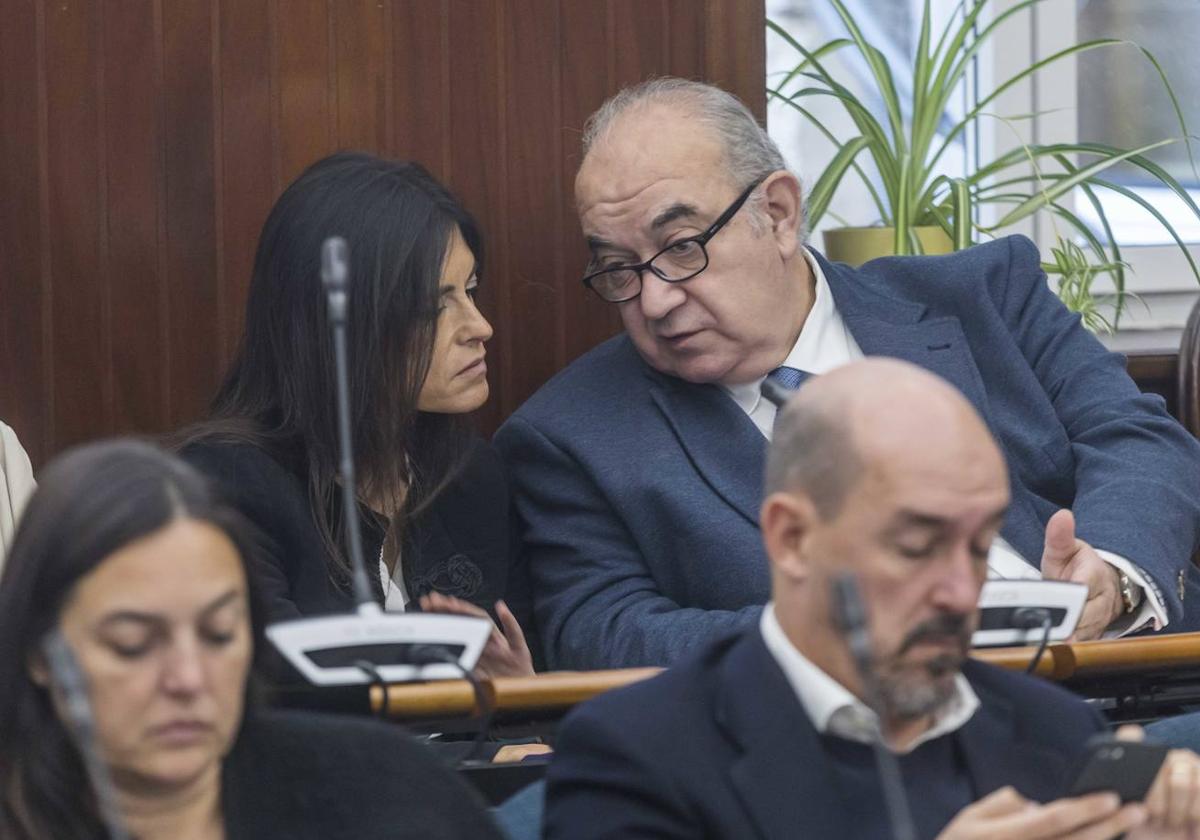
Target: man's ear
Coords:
[[788, 521], [785, 208]]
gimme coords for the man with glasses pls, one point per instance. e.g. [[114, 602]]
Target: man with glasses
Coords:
[[638, 470]]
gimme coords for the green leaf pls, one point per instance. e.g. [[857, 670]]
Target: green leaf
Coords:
[[854, 165], [822, 191], [883, 76], [1065, 185]]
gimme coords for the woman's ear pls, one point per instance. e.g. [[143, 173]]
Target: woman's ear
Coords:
[[787, 524], [35, 665]]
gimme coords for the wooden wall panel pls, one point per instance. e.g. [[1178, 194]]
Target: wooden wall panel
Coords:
[[79, 303], [534, 187], [247, 171], [478, 149], [139, 394], [304, 108], [25, 400], [194, 250], [145, 141], [586, 47]]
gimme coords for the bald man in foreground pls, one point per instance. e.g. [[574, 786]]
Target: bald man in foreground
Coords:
[[883, 470]]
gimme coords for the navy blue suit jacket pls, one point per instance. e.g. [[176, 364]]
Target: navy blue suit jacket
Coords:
[[720, 746], [640, 492]]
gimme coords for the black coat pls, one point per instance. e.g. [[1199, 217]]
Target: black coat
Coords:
[[297, 776], [459, 546], [719, 746]]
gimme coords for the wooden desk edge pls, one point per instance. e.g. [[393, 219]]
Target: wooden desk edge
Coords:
[[563, 689]]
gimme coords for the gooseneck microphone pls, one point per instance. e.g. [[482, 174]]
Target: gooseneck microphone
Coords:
[[369, 645], [851, 616], [70, 683], [775, 392], [335, 268]]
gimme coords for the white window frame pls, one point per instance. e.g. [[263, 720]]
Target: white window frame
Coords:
[[1160, 275]]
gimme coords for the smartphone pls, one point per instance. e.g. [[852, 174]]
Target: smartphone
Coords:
[[1127, 768]]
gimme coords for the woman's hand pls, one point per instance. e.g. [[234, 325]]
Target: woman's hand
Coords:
[[506, 654]]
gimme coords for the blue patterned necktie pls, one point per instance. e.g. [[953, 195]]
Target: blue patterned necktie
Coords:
[[789, 377]]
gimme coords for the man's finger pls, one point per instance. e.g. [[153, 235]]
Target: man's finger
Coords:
[[1059, 547], [1130, 732], [512, 627]]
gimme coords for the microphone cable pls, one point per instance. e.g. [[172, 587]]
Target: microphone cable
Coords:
[[438, 654], [851, 615], [1028, 618], [66, 676]]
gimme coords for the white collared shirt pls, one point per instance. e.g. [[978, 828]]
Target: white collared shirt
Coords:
[[825, 343], [833, 710]]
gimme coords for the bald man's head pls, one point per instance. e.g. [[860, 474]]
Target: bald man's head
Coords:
[[885, 472], [872, 412]]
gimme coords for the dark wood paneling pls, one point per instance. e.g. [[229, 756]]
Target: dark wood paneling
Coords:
[[478, 148], [533, 290], [735, 51], [192, 202], [79, 301], [247, 154], [304, 107], [24, 283], [131, 132], [421, 83], [584, 50], [145, 141], [361, 61]]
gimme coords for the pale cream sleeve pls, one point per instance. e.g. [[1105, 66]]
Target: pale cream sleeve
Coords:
[[16, 486]]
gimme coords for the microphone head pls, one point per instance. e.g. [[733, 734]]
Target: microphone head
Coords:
[[776, 393], [335, 264]]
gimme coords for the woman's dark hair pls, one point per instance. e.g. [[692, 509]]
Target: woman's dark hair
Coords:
[[91, 502], [279, 391]]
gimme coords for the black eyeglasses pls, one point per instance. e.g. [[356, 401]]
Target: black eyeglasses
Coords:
[[679, 261]]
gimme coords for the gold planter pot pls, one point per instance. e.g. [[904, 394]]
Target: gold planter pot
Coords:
[[856, 246]]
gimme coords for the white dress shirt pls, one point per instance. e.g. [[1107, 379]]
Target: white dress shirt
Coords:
[[395, 595], [833, 710], [826, 343]]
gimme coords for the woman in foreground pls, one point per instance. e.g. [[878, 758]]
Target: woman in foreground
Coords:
[[125, 555]]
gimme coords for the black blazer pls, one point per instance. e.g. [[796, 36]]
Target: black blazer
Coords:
[[460, 546], [299, 776], [719, 746]]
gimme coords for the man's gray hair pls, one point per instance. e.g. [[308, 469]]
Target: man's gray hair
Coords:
[[813, 450], [750, 153]]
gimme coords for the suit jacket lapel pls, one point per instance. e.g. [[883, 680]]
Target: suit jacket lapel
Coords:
[[996, 755], [722, 443], [887, 326], [781, 759]]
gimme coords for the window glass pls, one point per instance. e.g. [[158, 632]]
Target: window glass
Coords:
[[1121, 101]]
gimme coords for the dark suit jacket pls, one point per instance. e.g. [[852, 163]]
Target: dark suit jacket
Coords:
[[719, 746], [460, 546], [324, 777], [640, 492]]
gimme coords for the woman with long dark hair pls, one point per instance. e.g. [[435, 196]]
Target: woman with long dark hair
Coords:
[[433, 498], [126, 557]]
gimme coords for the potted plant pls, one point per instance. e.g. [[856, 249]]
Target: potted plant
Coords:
[[922, 209]]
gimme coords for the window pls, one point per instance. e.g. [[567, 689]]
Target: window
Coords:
[[1111, 95]]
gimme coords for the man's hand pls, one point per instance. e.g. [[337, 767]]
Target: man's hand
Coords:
[[506, 654], [1006, 815], [1066, 557], [1173, 804]]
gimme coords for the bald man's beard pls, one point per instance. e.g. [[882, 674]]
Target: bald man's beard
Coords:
[[911, 690]]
